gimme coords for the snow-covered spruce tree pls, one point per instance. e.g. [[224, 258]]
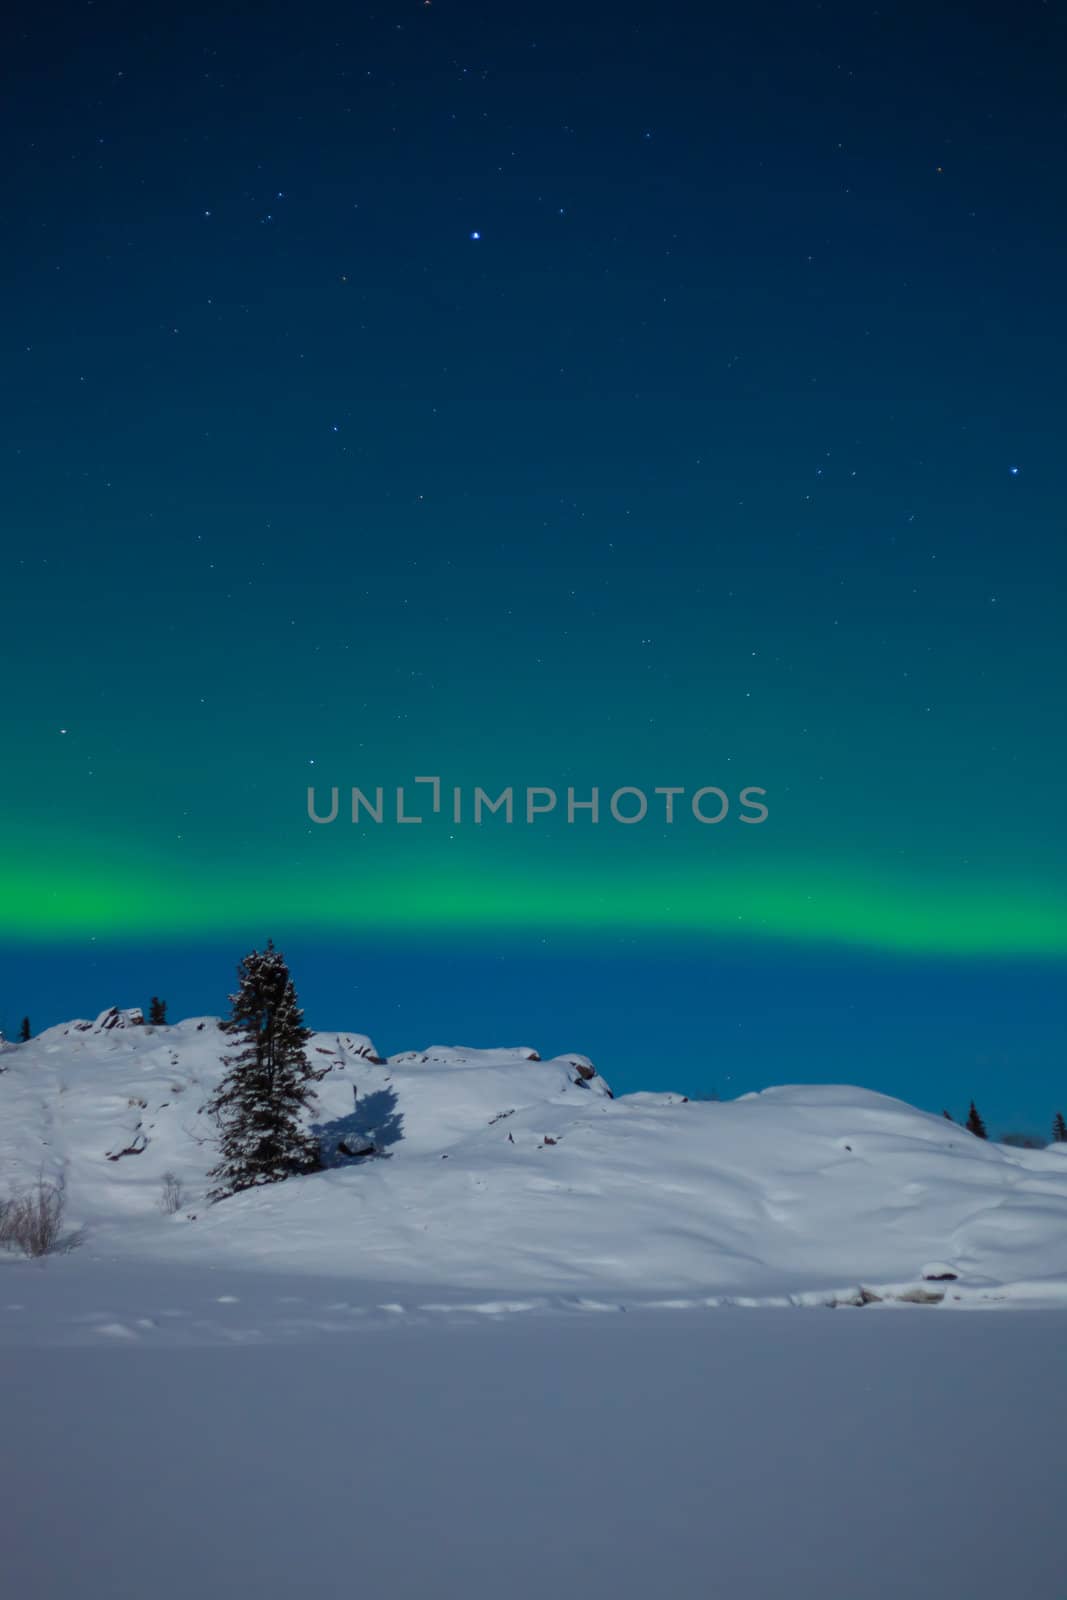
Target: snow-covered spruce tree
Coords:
[[975, 1124], [1059, 1128], [268, 1083]]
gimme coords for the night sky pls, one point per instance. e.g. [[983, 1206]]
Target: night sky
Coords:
[[563, 395]]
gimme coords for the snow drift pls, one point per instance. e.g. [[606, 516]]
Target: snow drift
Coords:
[[458, 1170]]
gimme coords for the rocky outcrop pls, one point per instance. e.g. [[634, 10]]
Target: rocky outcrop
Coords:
[[113, 1018]]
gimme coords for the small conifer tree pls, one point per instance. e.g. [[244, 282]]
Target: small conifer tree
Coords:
[[268, 1084], [975, 1124], [24, 1031], [157, 1012], [1059, 1128], [947, 1116]]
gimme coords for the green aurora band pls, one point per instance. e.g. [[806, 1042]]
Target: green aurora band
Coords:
[[810, 906]]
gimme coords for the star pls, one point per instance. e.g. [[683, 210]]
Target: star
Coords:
[[1013, 472], [475, 234]]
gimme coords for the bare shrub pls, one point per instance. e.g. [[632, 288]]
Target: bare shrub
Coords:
[[33, 1222], [172, 1197]]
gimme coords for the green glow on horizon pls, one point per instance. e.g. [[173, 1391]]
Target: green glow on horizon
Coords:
[[794, 905]]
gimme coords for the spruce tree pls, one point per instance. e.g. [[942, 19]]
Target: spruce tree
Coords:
[[975, 1124], [1059, 1128], [24, 1031], [157, 1012], [947, 1116], [268, 1082]]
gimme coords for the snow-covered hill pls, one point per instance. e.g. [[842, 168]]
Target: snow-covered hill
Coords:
[[519, 1181]]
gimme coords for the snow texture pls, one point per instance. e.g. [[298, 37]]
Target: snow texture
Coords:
[[751, 1454], [498, 1177], [542, 1342]]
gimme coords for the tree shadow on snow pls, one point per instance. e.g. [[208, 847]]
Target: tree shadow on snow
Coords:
[[374, 1121]]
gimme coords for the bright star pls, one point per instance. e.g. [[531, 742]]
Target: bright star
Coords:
[[475, 234], [1014, 471]]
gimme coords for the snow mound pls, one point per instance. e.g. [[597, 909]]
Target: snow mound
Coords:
[[492, 1170], [460, 1056]]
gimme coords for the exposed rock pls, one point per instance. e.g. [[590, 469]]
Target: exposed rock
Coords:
[[358, 1045], [581, 1064], [135, 1147], [857, 1297], [357, 1144], [938, 1272], [114, 1018]]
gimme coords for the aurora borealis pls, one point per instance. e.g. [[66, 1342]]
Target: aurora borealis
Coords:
[[740, 905], [585, 397]]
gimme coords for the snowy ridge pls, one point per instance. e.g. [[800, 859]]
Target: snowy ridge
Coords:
[[503, 1182]]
